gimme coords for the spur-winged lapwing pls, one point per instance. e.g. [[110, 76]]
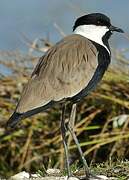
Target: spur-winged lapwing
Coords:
[[67, 72]]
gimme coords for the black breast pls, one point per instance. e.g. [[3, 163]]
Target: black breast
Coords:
[[104, 59]]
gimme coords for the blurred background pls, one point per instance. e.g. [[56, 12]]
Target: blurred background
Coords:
[[36, 19], [27, 30]]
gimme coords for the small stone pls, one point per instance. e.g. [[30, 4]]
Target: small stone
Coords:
[[101, 177], [20, 176], [73, 178], [53, 171], [34, 175]]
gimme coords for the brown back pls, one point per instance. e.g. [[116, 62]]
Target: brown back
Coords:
[[62, 72]]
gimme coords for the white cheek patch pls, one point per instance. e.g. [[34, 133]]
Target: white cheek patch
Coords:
[[93, 32]]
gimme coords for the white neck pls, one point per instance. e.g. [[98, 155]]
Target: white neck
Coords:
[[93, 32]]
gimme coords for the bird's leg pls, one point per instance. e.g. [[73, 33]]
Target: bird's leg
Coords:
[[63, 133], [71, 130]]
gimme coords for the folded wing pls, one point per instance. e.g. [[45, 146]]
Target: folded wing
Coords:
[[63, 72]]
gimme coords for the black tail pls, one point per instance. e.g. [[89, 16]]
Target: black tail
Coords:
[[14, 119]]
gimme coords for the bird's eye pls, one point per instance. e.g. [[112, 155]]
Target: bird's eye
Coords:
[[98, 22]]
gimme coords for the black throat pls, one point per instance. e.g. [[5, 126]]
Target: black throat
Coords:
[[105, 39]]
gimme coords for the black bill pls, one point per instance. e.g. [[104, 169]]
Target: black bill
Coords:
[[113, 28]]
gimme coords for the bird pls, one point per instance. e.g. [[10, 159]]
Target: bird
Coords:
[[67, 73]]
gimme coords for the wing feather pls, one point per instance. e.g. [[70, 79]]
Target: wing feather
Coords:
[[61, 73]]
